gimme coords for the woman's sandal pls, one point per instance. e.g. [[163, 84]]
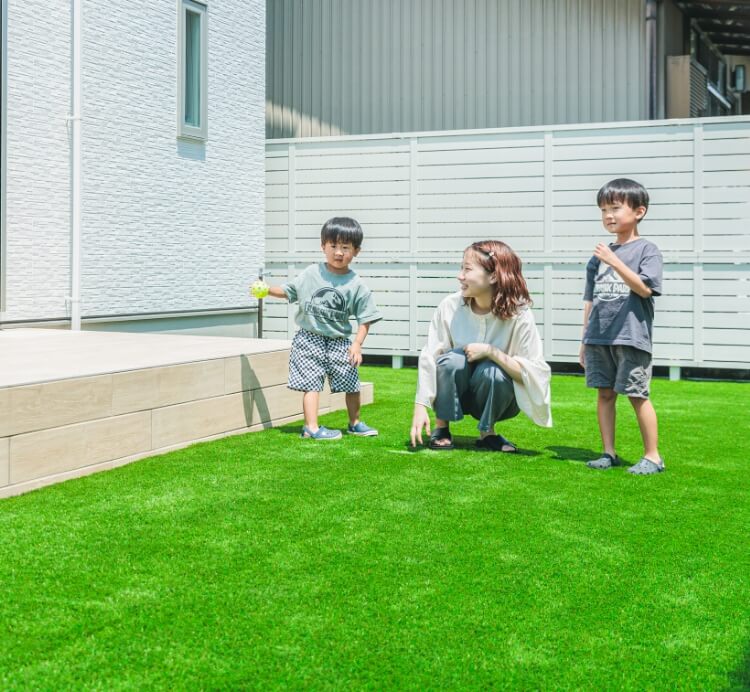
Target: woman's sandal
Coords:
[[495, 443], [441, 434]]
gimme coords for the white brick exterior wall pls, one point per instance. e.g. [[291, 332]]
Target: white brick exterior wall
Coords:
[[167, 224], [38, 168]]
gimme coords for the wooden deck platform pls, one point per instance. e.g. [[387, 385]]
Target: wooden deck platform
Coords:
[[73, 403]]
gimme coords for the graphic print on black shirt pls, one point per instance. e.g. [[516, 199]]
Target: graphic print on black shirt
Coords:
[[609, 285]]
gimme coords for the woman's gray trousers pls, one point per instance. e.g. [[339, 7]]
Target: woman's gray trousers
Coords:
[[482, 389]]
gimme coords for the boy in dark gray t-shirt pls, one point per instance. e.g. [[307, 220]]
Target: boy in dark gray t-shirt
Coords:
[[621, 281]]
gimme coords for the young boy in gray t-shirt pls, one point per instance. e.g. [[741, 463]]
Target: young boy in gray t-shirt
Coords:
[[622, 279], [328, 294]]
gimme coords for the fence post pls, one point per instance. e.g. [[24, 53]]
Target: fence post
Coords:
[[697, 243], [291, 228], [292, 200], [698, 313], [548, 327], [289, 309], [698, 187], [547, 312], [549, 155], [413, 211]]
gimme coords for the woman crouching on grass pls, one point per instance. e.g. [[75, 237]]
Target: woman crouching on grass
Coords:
[[483, 354]]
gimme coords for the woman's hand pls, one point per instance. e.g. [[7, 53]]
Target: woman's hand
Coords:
[[476, 352], [420, 420], [511, 366], [582, 356]]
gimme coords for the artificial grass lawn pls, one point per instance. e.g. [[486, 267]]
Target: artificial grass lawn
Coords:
[[266, 561]]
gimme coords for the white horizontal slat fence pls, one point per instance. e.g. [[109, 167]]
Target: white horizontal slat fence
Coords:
[[423, 197]]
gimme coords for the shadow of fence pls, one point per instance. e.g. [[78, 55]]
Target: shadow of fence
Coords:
[[253, 399]]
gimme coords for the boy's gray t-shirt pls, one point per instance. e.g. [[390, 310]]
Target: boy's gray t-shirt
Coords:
[[327, 301], [619, 315]]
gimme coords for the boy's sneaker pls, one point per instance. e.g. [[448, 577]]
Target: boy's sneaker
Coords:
[[322, 433], [645, 467], [361, 429], [605, 461]]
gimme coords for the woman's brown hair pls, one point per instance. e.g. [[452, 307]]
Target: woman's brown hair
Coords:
[[510, 293]]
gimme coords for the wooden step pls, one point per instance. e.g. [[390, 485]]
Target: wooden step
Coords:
[[81, 423]]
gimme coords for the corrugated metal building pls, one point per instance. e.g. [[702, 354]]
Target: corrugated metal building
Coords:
[[362, 66], [342, 67]]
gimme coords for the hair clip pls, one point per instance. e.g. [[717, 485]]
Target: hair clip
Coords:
[[490, 253]]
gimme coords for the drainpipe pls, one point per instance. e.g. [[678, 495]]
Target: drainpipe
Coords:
[[651, 14], [75, 173]]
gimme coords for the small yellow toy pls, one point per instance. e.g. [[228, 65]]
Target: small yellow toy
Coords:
[[259, 289]]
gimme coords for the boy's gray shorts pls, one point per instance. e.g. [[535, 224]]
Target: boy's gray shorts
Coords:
[[625, 369], [315, 357]]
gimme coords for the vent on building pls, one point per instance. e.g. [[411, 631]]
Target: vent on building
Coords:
[[687, 88]]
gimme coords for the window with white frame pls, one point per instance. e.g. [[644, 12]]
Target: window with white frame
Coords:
[[192, 73]]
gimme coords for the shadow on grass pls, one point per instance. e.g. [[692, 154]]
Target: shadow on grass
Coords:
[[739, 679], [572, 453], [291, 428], [579, 454], [465, 443]]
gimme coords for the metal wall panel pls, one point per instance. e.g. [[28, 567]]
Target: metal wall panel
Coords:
[[423, 198], [363, 66]]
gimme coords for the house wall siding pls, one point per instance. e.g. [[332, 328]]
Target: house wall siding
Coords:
[[37, 204], [359, 67], [167, 224]]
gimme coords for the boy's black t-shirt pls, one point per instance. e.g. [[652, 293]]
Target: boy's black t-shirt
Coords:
[[620, 316]]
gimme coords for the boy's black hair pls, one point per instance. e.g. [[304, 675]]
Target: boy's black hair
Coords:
[[342, 229], [623, 190]]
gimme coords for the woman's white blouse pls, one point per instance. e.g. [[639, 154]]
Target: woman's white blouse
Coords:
[[454, 325]]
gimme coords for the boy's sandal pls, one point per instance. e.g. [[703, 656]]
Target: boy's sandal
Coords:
[[604, 462], [322, 433], [645, 467], [495, 443], [361, 429], [441, 434]]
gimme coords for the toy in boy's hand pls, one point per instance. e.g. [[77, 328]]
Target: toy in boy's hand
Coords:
[[259, 289]]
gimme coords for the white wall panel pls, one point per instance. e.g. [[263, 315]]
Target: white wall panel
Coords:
[[37, 203], [166, 224]]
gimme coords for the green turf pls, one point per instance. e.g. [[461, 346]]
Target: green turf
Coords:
[[266, 561]]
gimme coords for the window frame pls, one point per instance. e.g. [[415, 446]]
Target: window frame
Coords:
[[185, 130]]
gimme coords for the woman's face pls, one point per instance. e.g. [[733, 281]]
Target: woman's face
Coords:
[[475, 282]]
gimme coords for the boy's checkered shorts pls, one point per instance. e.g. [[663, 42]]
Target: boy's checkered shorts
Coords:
[[313, 357]]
